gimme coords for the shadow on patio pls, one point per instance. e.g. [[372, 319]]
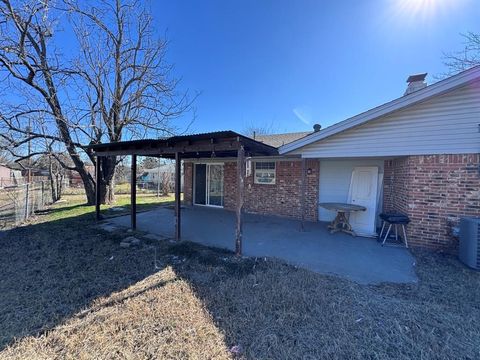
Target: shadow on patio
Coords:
[[69, 291], [359, 259]]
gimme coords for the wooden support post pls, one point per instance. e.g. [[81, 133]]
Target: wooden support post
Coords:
[[302, 195], [27, 201], [133, 193], [240, 199], [178, 164], [97, 188]]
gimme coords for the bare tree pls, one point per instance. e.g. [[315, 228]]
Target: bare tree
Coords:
[[116, 86], [57, 173], [150, 162], [254, 129], [468, 57], [166, 180]]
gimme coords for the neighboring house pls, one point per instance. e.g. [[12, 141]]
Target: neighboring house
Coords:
[[156, 175], [5, 176], [418, 154], [76, 179], [163, 174], [10, 175]]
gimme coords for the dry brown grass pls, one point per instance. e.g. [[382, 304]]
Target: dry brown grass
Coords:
[[69, 291], [140, 322]]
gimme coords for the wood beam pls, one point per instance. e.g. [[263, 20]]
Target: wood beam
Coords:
[[133, 193], [302, 195], [97, 188], [240, 199], [146, 151], [178, 168]]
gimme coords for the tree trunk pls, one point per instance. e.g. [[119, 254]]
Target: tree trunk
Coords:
[[110, 192], [88, 185], [107, 182], [60, 187], [53, 189], [52, 181], [59, 182]]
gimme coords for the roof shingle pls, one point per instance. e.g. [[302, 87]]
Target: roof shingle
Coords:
[[277, 140]]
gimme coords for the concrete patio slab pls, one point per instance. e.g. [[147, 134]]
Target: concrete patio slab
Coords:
[[362, 260]]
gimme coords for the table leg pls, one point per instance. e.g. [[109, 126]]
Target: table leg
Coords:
[[340, 223]]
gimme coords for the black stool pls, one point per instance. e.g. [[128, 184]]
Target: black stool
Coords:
[[394, 219]]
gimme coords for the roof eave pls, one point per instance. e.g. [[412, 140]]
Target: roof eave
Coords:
[[436, 89]]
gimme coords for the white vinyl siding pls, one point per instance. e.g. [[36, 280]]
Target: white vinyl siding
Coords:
[[335, 177], [447, 124]]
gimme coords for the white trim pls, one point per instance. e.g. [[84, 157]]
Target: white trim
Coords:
[[438, 88], [209, 206], [255, 170]]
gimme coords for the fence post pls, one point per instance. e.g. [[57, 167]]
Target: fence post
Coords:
[[26, 201], [43, 195]]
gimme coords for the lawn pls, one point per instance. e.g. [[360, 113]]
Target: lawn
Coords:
[[73, 205], [68, 290]]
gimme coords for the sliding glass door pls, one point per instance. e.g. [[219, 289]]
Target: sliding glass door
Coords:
[[209, 184], [200, 194]]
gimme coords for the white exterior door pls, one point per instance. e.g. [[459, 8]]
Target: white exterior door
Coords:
[[363, 191]]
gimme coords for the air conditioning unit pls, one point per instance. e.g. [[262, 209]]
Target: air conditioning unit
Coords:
[[469, 247]]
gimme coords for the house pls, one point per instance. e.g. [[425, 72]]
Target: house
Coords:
[[10, 175], [417, 154], [163, 175], [156, 175], [75, 180]]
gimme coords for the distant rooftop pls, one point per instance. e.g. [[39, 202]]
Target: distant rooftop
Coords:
[[277, 140]]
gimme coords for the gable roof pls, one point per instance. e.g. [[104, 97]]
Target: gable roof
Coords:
[[277, 140], [428, 92]]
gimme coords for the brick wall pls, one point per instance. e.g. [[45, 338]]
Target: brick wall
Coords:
[[396, 185], [188, 183], [282, 199], [434, 191]]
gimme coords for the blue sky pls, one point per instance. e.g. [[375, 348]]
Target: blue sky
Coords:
[[289, 64]]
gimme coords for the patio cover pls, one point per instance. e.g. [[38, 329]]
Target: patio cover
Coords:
[[216, 144], [207, 145]]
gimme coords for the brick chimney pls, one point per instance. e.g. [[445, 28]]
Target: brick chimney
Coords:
[[415, 83]]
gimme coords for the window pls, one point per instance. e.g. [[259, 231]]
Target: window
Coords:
[[264, 172]]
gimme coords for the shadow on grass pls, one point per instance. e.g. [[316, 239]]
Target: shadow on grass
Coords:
[[54, 269], [106, 212], [57, 210], [58, 269]]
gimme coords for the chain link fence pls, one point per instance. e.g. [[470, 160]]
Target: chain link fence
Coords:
[[19, 202], [146, 187]]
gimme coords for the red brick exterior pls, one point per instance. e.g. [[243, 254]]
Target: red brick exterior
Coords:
[[282, 199], [188, 183], [434, 191]]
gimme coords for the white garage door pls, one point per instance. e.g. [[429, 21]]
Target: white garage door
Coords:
[[335, 178]]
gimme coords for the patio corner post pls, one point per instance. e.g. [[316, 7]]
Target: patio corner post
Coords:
[[302, 195], [133, 193], [97, 188], [178, 167], [240, 199]]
